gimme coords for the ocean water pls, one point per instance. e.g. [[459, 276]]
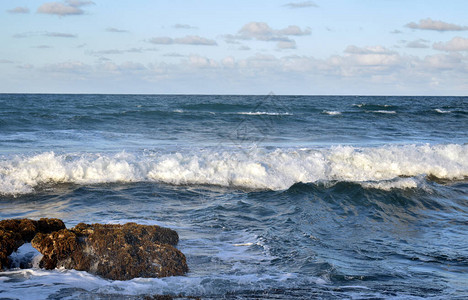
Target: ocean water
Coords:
[[273, 197]]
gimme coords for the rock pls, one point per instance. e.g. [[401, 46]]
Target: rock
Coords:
[[118, 252], [16, 232]]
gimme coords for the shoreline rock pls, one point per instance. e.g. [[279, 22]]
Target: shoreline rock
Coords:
[[117, 252], [15, 232]]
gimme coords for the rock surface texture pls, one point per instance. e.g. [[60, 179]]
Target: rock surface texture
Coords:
[[16, 232], [118, 252]]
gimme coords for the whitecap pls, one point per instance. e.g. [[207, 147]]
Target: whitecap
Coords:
[[259, 113], [275, 169], [332, 112]]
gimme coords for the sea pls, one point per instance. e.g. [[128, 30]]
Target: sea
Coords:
[[273, 197]]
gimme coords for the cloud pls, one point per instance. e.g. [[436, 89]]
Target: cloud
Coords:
[[294, 30], [443, 62], [421, 44], [201, 62], [5, 61], [286, 45], [75, 67], [301, 4], [261, 31], [45, 33], [429, 24], [183, 26], [115, 30], [118, 51], [60, 34], [396, 31], [368, 50], [25, 66], [455, 44], [19, 10], [70, 7], [187, 40], [173, 54], [42, 47]]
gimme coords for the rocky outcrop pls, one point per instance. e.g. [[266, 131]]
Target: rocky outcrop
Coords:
[[118, 252], [16, 232]]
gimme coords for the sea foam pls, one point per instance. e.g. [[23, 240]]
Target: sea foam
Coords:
[[254, 169]]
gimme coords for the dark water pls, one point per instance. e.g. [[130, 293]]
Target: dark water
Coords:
[[273, 197]]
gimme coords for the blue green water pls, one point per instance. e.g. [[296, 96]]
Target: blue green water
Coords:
[[273, 197]]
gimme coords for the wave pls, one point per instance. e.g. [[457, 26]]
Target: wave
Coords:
[[332, 112], [383, 111], [258, 113], [441, 111], [380, 167]]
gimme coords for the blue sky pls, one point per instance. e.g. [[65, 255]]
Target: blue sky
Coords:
[[366, 47]]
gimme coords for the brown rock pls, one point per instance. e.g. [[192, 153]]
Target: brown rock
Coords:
[[118, 252], [16, 232]]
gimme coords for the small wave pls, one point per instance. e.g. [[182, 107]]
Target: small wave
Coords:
[[440, 111], [383, 111], [372, 105], [399, 183], [332, 112], [276, 169], [258, 113]]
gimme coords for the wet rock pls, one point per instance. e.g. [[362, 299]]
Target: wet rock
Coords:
[[118, 252], [16, 232]]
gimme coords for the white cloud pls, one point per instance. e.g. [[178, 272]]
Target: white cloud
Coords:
[[163, 40], [173, 54], [45, 33], [202, 62], [429, 24], [25, 66], [261, 31], [60, 34], [43, 47], [286, 45], [187, 40], [70, 7], [368, 50], [78, 3], [183, 26], [443, 62], [421, 44], [301, 4], [294, 30], [455, 44], [75, 67], [19, 10], [5, 61], [115, 30]]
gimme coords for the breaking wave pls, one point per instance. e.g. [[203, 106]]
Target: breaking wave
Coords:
[[384, 167]]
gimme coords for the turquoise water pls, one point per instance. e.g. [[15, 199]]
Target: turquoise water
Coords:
[[273, 197]]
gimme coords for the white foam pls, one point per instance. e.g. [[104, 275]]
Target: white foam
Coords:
[[399, 183], [442, 111], [257, 169], [332, 112], [259, 113], [384, 111]]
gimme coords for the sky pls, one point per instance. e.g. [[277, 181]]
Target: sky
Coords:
[[320, 47]]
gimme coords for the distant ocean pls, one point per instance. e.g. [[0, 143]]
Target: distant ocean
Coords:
[[273, 197]]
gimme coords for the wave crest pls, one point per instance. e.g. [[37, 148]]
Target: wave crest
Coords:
[[258, 169]]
